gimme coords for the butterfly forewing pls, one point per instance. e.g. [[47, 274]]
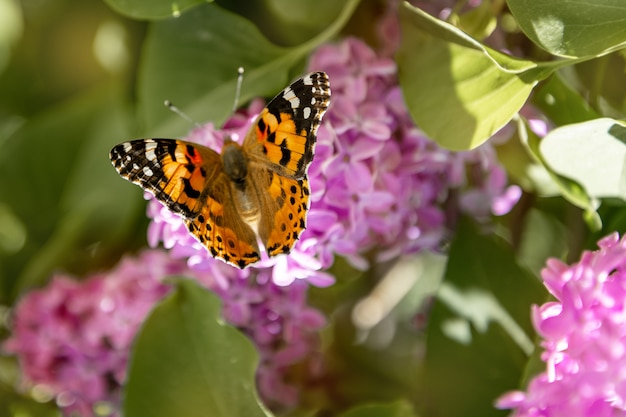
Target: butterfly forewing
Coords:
[[175, 171], [286, 129]]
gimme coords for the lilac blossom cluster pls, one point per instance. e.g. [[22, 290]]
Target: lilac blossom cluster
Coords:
[[584, 339], [377, 183], [284, 330], [73, 338]]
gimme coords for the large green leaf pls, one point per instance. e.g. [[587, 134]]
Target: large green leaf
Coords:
[[186, 362], [11, 29], [154, 9], [596, 78], [396, 409], [592, 153], [193, 62], [459, 91], [543, 236], [287, 22], [561, 103], [57, 183], [479, 335], [570, 28], [570, 189]]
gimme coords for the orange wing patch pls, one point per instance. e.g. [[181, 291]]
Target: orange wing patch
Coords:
[[282, 143], [284, 217], [219, 228]]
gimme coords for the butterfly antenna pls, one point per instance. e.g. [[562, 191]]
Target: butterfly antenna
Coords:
[[179, 112], [238, 88]]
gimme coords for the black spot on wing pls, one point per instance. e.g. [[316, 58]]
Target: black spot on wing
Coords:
[[285, 153]]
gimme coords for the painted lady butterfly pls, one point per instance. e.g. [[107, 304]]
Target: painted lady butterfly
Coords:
[[259, 188]]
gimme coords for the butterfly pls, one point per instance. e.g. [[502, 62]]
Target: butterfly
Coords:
[[256, 189]]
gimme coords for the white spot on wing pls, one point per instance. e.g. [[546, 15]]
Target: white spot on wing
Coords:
[[147, 171], [306, 112], [290, 96], [135, 167], [127, 147], [150, 155], [307, 80]]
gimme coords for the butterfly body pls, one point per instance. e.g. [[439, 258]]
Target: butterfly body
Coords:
[[256, 189]]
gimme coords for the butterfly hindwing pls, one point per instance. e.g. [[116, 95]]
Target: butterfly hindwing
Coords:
[[175, 171], [220, 228], [283, 214], [284, 134]]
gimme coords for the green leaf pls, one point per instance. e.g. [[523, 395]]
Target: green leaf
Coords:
[[287, 22], [57, 181], [480, 21], [480, 334], [11, 29], [522, 167], [396, 409], [187, 362], [571, 190], [592, 153], [543, 236], [562, 104], [193, 62], [597, 78], [154, 9], [573, 28], [385, 318], [459, 91]]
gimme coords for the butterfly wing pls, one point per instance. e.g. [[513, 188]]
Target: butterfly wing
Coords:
[[283, 211], [283, 136], [220, 228], [280, 148], [174, 171], [189, 180]]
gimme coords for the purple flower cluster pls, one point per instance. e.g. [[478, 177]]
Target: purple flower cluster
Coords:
[[283, 328], [377, 183], [584, 339], [74, 337]]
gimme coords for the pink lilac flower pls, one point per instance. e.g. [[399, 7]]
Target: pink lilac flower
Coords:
[[378, 185], [282, 326], [74, 337], [584, 339]]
